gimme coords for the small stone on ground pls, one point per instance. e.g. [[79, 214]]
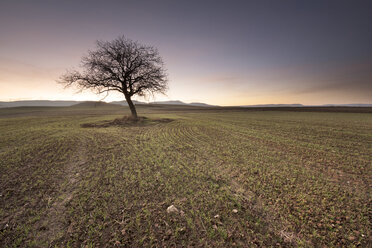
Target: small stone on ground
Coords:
[[172, 209]]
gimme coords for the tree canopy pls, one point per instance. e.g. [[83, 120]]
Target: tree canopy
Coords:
[[121, 65]]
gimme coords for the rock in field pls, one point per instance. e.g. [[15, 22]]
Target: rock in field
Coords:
[[172, 209]]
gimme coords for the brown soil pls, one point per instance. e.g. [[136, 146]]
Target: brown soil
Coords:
[[126, 121]]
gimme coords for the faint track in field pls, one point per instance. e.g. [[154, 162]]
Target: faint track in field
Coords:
[[53, 221]]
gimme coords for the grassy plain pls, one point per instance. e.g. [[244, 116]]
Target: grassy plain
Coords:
[[295, 178]]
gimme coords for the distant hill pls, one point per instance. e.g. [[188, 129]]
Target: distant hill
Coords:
[[301, 105], [50, 103], [124, 103], [176, 102], [93, 104], [37, 103], [200, 104], [349, 105], [274, 105]]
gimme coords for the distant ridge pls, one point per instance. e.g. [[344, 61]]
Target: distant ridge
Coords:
[[124, 103], [175, 102], [273, 105], [301, 105], [349, 105], [171, 102], [37, 103], [200, 104], [93, 104], [57, 103], [51, 103]]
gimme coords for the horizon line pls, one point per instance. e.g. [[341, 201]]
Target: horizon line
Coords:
[[144, 102]]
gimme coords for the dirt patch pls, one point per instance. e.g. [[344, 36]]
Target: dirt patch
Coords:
[[125, 122]]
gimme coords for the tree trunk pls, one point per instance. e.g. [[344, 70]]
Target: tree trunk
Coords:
[[131, 106]]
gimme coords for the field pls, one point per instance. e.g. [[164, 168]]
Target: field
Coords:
[[239, 178]]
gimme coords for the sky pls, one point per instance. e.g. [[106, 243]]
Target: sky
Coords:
[[218, 52]]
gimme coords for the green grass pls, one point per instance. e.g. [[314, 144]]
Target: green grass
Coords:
[[296, 178]]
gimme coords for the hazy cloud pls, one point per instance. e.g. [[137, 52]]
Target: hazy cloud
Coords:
[[355, 78]]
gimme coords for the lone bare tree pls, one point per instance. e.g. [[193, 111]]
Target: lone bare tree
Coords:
[[120, 65]]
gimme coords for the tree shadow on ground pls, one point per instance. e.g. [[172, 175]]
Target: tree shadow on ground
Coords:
[[127, 121]]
